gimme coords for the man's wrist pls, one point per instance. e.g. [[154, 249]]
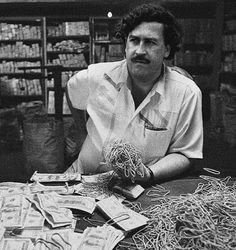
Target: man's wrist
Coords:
[[152, 177]]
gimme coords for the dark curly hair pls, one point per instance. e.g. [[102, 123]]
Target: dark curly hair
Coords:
[[152, 13]]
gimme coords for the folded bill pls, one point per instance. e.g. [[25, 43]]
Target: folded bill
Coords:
[[123, 216], [51, 177]]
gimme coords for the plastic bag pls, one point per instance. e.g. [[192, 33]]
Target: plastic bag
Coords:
[[43, 145]]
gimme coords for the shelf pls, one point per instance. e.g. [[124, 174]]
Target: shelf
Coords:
[[65, 52], [21, 97], [36, 40], [22, 74], [20, 58], [68, 68], [107, 42], [84, 38]]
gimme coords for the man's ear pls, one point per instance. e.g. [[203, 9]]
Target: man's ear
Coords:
[[167, 52]]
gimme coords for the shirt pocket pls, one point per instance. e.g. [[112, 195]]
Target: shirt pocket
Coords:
[[156, 143]]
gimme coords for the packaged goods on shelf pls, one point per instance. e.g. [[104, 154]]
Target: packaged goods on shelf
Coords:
[[76, 28], [19, 49], [68, 45], [13, 66], [19, 31], [51, 102], [20, 86], [70, 60], [55, 30], [229, 42], [65, 76], [65, 107], [8, 86], [102, 31]]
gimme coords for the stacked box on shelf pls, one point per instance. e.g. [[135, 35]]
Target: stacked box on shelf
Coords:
[[51, 104], [20, 87], [105, 45], [65, 76], [76, 28], [67, 45], [9, 31]]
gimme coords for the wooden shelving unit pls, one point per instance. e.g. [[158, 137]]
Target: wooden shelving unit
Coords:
[[21, 44], [104, 46]]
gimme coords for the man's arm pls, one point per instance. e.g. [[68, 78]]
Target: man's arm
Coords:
[[170, 166]]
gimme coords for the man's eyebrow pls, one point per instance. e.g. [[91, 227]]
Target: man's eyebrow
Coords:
[[145, 38], [133, 36]]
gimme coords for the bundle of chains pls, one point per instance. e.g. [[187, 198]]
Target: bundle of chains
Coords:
[[124, 158], [205, 219]]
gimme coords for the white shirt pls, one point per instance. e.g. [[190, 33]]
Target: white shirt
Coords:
[[169, 120]]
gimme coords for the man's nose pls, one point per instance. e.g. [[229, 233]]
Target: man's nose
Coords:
[[140, 48]]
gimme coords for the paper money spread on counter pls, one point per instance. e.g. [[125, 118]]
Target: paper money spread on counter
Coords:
[[48, 177], [100, 238], [124, 217]]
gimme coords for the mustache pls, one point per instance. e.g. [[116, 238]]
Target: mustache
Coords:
[[139, 58]]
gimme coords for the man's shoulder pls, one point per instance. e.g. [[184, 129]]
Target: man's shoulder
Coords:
[[180, 78]]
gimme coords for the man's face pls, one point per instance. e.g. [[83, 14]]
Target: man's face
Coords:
[[145, 51]]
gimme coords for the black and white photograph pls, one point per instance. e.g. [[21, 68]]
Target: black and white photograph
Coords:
[[117, 124]]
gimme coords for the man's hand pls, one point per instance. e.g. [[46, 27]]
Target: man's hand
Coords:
[[142, 175]]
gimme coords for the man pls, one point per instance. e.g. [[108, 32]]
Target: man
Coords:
[[140, 100]]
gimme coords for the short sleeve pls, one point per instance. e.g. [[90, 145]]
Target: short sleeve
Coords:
[[188, 135], [78, 89]]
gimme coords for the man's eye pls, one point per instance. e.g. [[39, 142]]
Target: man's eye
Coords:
[[150, 42], [133, 39]]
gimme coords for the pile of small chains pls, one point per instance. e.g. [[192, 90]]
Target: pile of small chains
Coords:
[[123, 157], [205, 219]]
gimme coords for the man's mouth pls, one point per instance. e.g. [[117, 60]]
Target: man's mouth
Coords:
[[144, 61]]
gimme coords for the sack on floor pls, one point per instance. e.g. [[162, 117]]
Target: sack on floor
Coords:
[[43, 145], [10, 130]]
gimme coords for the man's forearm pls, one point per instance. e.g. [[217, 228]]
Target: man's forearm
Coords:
[[170, 166]]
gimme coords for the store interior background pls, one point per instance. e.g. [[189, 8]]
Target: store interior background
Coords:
[[219, 138]]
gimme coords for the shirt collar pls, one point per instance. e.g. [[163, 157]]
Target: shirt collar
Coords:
[[118, 74], [121, 76], [159, 86]]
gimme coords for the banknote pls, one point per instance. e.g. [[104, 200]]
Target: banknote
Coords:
[[100, 238], [11, 188], [123, 216], [37, 187], [34, 219], [51, 177], [55, 215], [16, 244], [85, 204], [64, 239], [12, 211], [2, 231]]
